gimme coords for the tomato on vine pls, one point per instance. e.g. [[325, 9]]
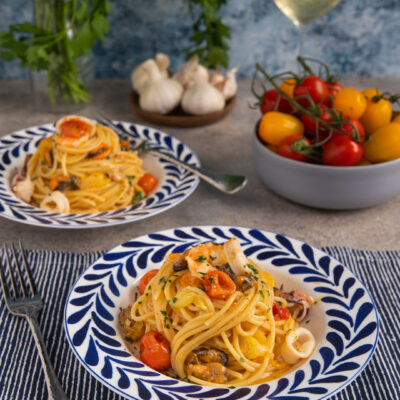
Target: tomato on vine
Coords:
[[320, 113], [311, 86], [342, 151], [294, 147], [270, 100], [333, 88]]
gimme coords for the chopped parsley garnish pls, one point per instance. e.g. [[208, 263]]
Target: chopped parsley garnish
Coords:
[[241, 359], [140, 302], [201, 259], [268, 309], [202, 273], [212, 258], [174, 300], [211, 280], [163, 312], [261, 293], [138, 197], [252, 268]]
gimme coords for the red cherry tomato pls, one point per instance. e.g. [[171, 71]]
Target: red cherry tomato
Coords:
[[155, 351], [285, 148], [269, 102], [314, 87], [219, 285], [354, 124], [333, 87], [280, 312], [148, 182], [310, 125], [147, 277], [342, 150]]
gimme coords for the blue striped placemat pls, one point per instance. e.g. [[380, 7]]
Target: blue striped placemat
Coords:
[[21, 376]]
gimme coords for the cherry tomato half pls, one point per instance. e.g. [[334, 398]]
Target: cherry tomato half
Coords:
[[314, 87], [155, 351], [341, 150], [285, 147], [269, 102], [219, 285], [280, 312], [147, 277]]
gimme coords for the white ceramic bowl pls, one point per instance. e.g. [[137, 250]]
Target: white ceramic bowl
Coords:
[[321, 186]]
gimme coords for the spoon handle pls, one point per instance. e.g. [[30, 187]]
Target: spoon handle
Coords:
[[226, 183]]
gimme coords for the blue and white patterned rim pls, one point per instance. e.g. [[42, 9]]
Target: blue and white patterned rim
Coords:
[[175, 184], [344, 322]]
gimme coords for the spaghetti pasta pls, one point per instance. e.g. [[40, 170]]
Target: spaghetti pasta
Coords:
[[84, 165], [218, 336]]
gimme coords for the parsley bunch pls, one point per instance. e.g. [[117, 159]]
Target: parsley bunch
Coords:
[[210, 35], [63, 31]]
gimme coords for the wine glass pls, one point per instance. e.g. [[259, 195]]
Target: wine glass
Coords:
[[303, 13]]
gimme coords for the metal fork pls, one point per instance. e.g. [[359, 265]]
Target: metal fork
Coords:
[[28, 306], [225, 183]]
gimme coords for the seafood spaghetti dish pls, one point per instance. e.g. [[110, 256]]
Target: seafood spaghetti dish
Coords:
[[83, 167], [212, 317]]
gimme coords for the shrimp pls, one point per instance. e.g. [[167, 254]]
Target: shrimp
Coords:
[[73, 130], [205, 257], [56, 201]]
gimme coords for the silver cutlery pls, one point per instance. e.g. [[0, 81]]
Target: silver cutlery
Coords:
[[27, 303], [226, 183]]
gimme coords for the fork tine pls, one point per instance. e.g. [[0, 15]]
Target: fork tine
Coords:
[[4, 282], [110, 123], [10, 272], [27, 269], [19, 271]]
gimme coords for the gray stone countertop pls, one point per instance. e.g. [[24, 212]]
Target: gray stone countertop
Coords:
[[226, 147]]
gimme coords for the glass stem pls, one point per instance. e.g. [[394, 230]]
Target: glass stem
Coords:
[[302, 30]]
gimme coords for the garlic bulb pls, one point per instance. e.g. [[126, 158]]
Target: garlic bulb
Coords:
[[218, 79], [190, 71], [202, 98], [160, 95], [163, 62], [230, 86], [140, 75]]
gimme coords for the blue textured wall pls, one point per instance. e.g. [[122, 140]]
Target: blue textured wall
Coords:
[[357, 37]]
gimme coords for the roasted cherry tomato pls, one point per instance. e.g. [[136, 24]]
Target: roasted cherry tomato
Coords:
[[155, 351], [311, 86], [378, 113], [310, 124], [280, 312], [333, 88], [270, 100], [384, 144], [285, 147], [341, 150], [219, 285], [148, 182], [274, 126], [351, 102], [147, 277], [287, 86]]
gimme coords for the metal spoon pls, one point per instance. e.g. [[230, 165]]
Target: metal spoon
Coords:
[[225, 183]]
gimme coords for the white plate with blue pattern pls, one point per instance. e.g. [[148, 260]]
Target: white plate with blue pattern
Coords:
[[175, 183], [344, 321]]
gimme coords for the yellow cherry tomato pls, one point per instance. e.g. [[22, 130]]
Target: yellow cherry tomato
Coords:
[[376, 114], [351, 102], [275, 126], [287, 86], [396, 119], [95, 181], [384, 144]]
